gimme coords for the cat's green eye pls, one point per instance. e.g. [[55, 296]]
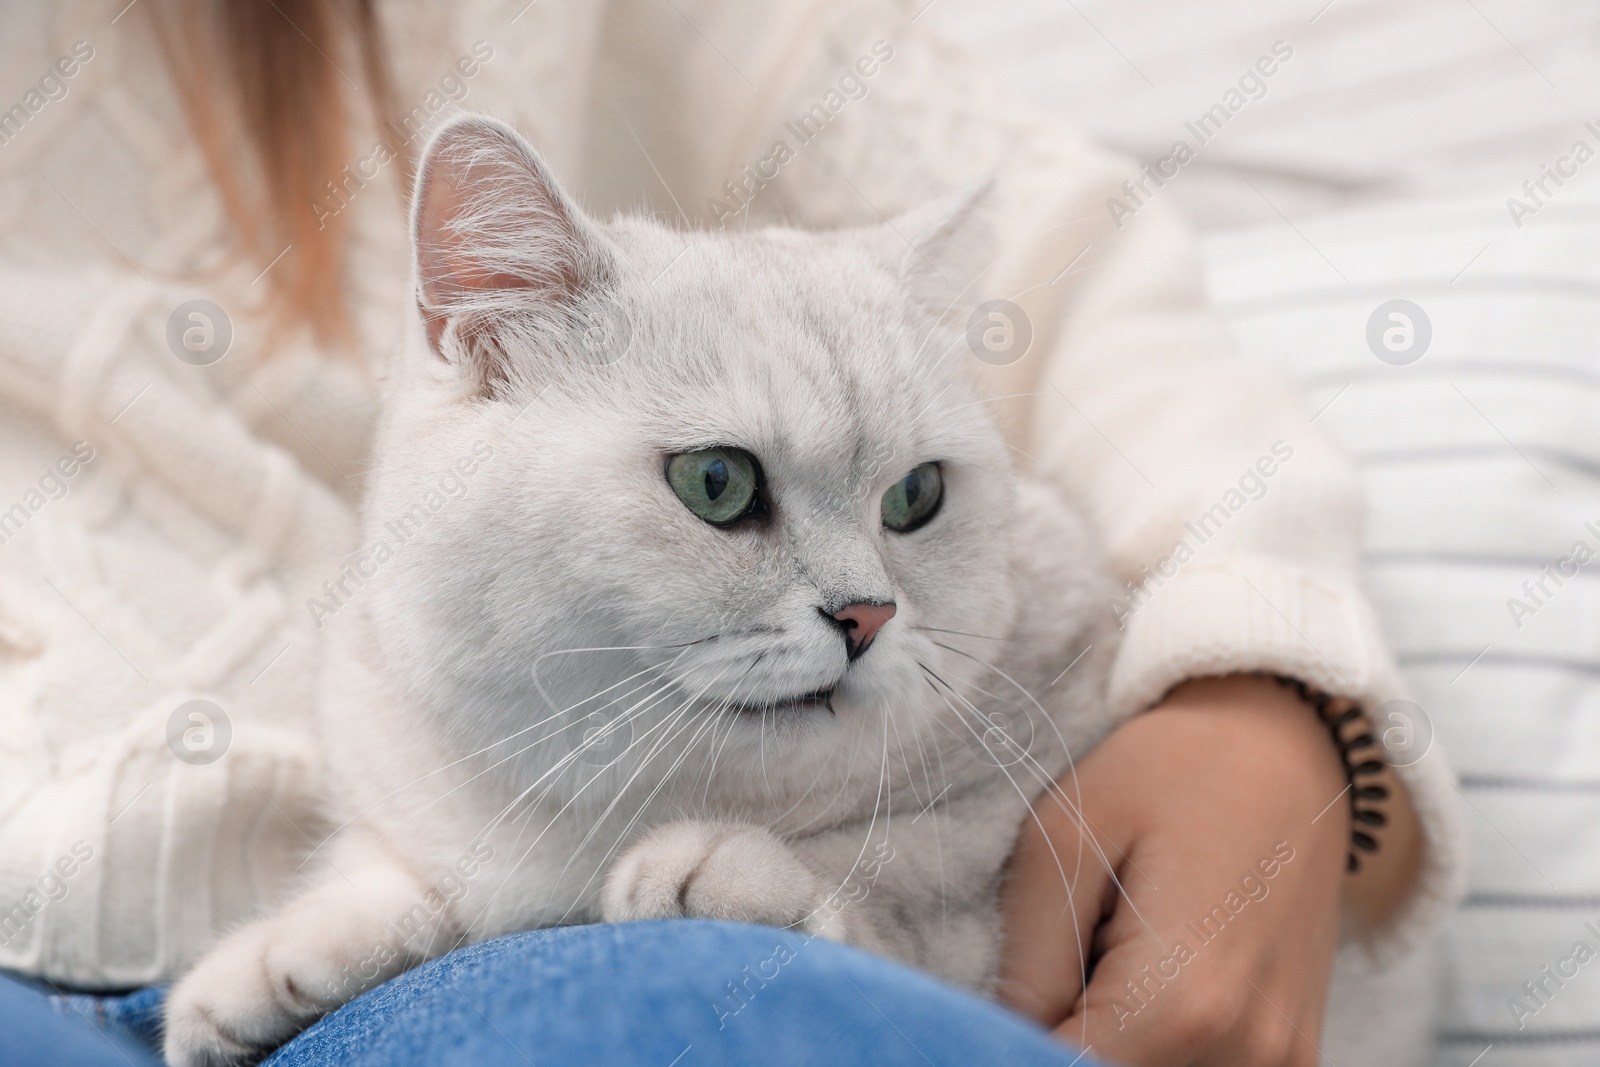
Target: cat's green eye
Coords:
[[717, 484], [914, 499]]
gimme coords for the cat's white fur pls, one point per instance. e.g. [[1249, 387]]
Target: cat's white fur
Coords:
[[556, 702]]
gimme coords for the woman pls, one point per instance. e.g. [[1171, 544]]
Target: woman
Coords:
[[203, 266]]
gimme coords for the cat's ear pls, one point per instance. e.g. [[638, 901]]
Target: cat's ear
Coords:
[[942, 248], [502, 253]]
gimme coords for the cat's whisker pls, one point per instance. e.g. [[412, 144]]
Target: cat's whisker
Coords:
[[878, 804], [927, 404], [931, 365], [648, 668], [534, 670], [1032, 461], [599, 821], [712, 715], [955, 300], [691, 716], [959, 633], [1022, 755], [621, 648], [1052, 790], [1051, 787], [820, 810], [1019, 687], [536, 742], [927, 810], [1068, 882], [761, 751], [665, 725], [710, 773], [566, 761], [648, 158], [457, 762], [994, 400]]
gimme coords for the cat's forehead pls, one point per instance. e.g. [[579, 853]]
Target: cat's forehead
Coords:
[[806, 347]]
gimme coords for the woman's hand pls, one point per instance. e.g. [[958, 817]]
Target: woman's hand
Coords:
[[1205, 881]]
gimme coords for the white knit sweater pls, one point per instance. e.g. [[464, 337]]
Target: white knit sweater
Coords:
[[179, 561]]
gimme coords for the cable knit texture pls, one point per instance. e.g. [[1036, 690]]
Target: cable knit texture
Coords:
[[220, 498]]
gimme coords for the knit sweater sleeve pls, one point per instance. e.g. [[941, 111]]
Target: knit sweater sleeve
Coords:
[[87, 353], [154, 554], [1232, 520]]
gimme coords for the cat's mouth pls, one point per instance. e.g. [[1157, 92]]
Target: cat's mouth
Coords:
[[816, 700]]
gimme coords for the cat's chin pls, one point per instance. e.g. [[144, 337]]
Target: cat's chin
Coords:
[[815, 701]]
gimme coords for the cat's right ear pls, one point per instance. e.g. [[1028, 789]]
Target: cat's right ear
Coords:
[[942, 249], [502, 253]]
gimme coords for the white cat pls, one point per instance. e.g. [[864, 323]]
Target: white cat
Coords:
[[701, 586]]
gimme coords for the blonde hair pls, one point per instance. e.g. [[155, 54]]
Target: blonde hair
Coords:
[[267, 89]]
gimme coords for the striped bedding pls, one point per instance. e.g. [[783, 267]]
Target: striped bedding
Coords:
[[1377, 167], [1481, 464], [1383, 100]]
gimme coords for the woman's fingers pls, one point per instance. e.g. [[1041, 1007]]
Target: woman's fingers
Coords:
[[1219, 952], [1061, 882], [1162, 994]]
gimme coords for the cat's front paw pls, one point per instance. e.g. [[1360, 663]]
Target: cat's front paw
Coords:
[[228, 1009], [258, 988], [725, 871]]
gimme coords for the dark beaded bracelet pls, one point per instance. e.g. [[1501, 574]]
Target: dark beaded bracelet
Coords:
[[1337, 713]]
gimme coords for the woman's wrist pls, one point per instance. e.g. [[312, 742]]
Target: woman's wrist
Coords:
[[1362, 756]]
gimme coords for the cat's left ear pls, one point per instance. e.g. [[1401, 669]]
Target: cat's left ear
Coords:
[[942, 248], [503, 255]]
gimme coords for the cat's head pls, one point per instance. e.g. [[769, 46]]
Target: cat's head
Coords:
[[726, 485]]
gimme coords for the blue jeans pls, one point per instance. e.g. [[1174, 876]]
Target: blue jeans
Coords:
[[681, 993]]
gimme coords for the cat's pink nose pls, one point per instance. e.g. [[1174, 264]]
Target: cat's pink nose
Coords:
[[861, 623]]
